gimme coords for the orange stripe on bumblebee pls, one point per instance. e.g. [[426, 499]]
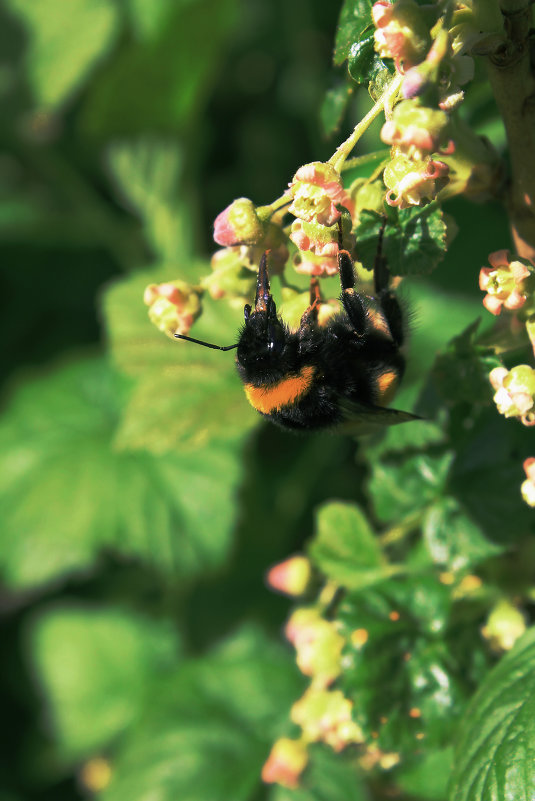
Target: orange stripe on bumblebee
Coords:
[[386, 385], [288, 390]]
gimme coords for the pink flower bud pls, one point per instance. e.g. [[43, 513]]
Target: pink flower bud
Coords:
[[528, 486], [173, 306], [286, 762], [317, 190], [318, 645], [515, 392], [291, 577], [325, 716], [238, 224], [504, 282]]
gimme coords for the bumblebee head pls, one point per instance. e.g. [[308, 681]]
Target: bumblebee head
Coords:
[[264, 338]]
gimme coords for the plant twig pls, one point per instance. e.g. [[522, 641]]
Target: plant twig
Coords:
[[513, 84]]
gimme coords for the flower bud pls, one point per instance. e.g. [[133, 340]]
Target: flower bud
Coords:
[[504, 282], [286, 762], [528, 486], [402, 32], [238, 224], [316, 190], [515, 392], [318, 645], [292, 576], [173, 306], [325, 716], [417, 130], [504, 626], [410, 182]]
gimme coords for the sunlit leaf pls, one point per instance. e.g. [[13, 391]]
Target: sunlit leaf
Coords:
[[94, 665], [147, 173], [83, 35], [355, 17], [414, 239], [68, 495], [209, 727], [345, 548]]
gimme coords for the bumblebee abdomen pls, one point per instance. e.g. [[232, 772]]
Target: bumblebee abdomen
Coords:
[[289, 390]]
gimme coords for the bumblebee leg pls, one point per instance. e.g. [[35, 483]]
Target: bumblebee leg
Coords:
[[387, 299]]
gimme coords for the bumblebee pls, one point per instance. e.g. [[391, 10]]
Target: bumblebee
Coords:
[[342, 372]]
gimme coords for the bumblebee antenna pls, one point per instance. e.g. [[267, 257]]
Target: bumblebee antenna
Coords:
[[205, 344]]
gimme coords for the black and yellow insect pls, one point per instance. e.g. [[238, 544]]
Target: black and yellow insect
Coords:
[[345, 371]]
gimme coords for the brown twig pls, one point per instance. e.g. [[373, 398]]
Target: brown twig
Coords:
[[513, 82]]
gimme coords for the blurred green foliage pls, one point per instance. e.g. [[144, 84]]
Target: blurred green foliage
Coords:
[[142, 501]]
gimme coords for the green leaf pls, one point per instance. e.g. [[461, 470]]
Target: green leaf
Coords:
[[345, 548], [94, 666], [495, 750], [147, 174], [461, 373], [65, 47], [405, 662], [150, 16], [209, 727], [400, 487], [355, 17], [363, 62], [174, 69], [333, 108], [328, 777], [453, 539], [414, 239], [428, 777], [67, 494], [486, 473], [184, 395]]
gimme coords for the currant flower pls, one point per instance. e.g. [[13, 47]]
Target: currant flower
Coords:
[[418, 130], [325, 716], [319, 239], [286, 762], [173, 306], [515, 392], [317, 190], [409, 182], [318, 645], [528, 486], [401, 32], [307, 263], [504, 282]]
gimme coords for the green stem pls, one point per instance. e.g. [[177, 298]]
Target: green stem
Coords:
[[401, 530], [368, 158], [339, 157]]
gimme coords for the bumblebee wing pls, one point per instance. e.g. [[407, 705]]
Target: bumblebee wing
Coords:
[[362, 418]]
